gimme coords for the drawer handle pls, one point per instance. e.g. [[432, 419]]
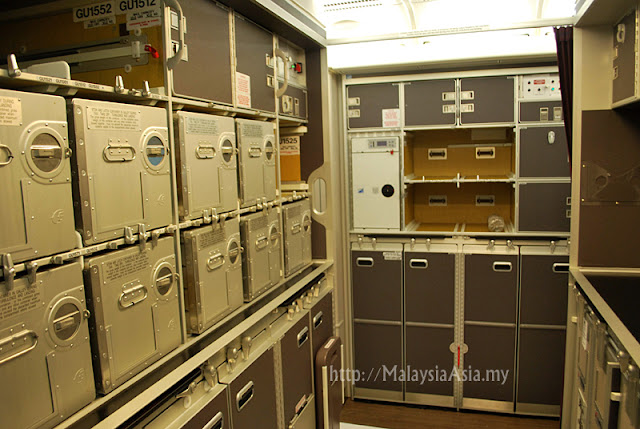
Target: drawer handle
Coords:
[[485, 200], [119, 153], [364, 262], [8, 155], [485, 153], [296, 228], [440, 154], [303, 336], [244, 396], [215, 261], [215, 423], [255, 152], [205, 151], [317, 321], [561, 268], [419, 263], [262, 242], [133, 296], [25, 340], [437, 200], [551, 137], [502, 267]]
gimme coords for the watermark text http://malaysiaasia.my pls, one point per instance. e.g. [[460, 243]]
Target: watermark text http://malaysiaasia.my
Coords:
[[396, 373]]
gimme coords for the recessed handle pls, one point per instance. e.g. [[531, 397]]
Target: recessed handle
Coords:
[[317, 320], [437, 154], [437, 200], [262, 242], [560, 267], [364, 262], [215, 261], [485, 152], [244, 396], [133, 296], [296, 228], [205, 151], [485, 200], [8, 155], [303, 336], [215, 423], [419, 263], [502, 267], [255, 152], [17, 345]]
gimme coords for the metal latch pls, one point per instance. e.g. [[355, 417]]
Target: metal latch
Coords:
[[551, 137], [255, 152], [449, 96], [303, 336], [8, 270], [66, 321], [296, 228], [205, 151], [8, 155], [32, 270], [262, 242], [143, 235], [215, 261], [246, 343], [12, 66], [133, 295], [467, 95], [557, 113], [467, 108], [128, 235], [119, 153]]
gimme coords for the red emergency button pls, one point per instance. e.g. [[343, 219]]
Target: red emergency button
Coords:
[[153, 51], [297, 67]]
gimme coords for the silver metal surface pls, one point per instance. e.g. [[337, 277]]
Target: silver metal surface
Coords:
[[257, 153], [297, 235]]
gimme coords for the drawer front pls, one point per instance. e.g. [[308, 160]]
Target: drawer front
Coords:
[[544, 207], [430, 102], [377, 347], [427, 349], [491, 288], [544, 152], [377, 285], [543, 289], [429, 281], [541, 111], [368, 102]]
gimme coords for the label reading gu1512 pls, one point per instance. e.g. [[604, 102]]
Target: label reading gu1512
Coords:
[[109, 8]]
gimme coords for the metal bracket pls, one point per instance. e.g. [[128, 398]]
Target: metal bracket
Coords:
[[128, 235], [12, 66], [214, 216], [146, 91], [210, 374], [32, 268], [119, 86], [246, 346], [143, 234], [189, 391], [155, 235], [8, 270]]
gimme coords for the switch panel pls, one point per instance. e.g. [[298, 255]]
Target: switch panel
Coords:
[[537, 86]]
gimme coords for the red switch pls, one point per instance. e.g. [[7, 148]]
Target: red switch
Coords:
[[297, 67], [391, 151], [153, 51]]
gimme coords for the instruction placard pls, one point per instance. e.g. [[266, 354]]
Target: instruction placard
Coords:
[[203, 126], [243, 90], [392, 256], [144, 19], [10, 111], [104, 118], [99, 22], [290, 146], [123, 267], [16, 302], [391, 118]]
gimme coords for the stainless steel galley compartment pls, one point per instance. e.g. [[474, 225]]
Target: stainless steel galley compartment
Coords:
[[121, 169], [262, 244], [36, 215], [133, 297], [45, 356], [294, 100], [630, 396], [212, 263], [297, 236], [256, 161], [207, 164]]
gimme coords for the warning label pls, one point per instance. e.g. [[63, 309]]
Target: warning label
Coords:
[[210, 238], [391, 118], [104, 118], [243, 90], [123, 267], [392, 256], [202, 126], [17, 302], [144, 19], [99, 22], [290, 146], [252, 130], [10, 111]]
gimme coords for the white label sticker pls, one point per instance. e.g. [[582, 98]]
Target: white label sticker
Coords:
[[99, 22], [585, 334], [392, 256], [144, 19], [243, 90], [290, 146], [93, 11], [390, 118], [354, 113], [353, 101], [125, 6], [10, 111], [104, 118]]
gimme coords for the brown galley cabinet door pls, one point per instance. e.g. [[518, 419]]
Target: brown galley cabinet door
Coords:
[[485, 100], [430, 102], [544, 152], [368, 104]]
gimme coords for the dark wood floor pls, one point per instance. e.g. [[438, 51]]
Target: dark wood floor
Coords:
[[407, 417]]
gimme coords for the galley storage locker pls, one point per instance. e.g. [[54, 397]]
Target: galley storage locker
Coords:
[[375, 182], [329, 392], [297, 236], [321, 322], [544, 207], [254, 74], [373, 106], [430, 102], [121, 169], [36, 216], [206, 406], [251, 389], [542, 328], [630, 397], [133, 298], [212, 264], [297, 367], [256, 161], [261, 240], [625, 59], [541, 111], [206, 156], [544, 152], [486, 100], [607, 382], [490, 316], [377, 312], [429, 302], [45, 356]]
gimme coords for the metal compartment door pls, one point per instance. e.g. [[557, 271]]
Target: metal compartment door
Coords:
[[544, 152], [254, 50], [491, 353], [541, 111], [256, 161], [296, 368], [206, 154], [486, 100], [252, 395], [45, 356], [255, 263], [377, 282], [377, 345], [544, 207], [205, 70], [625, 47], [36, 216], [293, 230], [430, 102], [321, 322], [543, 287], [367, 104]]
